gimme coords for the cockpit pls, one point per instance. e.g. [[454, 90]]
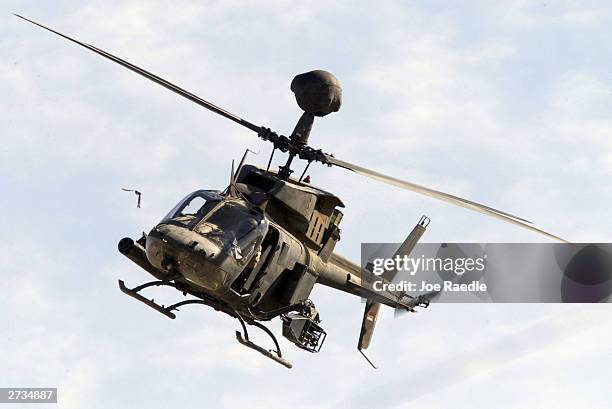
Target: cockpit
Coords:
[[231, 224]]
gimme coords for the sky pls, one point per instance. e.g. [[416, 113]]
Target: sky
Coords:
[[506, 103]]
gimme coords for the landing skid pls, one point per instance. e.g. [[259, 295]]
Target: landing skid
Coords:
[[242, 337]]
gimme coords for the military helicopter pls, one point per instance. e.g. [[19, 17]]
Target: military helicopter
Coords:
[[255, 250]]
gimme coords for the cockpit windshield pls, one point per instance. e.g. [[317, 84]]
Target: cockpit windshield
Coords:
[[233, 217], [192, 208], [232, 224]]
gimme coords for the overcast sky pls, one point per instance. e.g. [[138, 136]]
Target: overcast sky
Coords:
[[505, 103]]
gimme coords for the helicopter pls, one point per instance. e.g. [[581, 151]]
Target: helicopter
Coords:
[[255, 250]]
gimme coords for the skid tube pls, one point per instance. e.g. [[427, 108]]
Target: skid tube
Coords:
[[242, 338]]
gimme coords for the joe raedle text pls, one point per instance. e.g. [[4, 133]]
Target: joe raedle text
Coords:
[[447, 285]]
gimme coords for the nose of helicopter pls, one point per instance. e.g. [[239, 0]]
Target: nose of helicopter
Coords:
[[178, 249]]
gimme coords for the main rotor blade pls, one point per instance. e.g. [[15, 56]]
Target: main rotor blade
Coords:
[[468, 204], [155, 78]]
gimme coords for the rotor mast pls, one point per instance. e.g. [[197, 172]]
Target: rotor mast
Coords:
[[299, 137]]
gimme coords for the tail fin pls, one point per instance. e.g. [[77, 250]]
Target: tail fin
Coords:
[[367, 327]]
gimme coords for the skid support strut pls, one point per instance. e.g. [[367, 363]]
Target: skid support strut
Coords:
[[242, 337]]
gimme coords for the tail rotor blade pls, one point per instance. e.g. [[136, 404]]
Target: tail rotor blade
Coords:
[[421, 300], [398, 312]]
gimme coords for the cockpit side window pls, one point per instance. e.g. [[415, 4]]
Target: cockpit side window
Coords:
[[193, 207]]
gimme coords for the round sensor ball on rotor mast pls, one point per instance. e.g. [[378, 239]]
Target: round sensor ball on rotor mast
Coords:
[[318, 93]]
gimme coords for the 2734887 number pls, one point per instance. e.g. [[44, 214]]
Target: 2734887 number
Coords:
[[21, 395]]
